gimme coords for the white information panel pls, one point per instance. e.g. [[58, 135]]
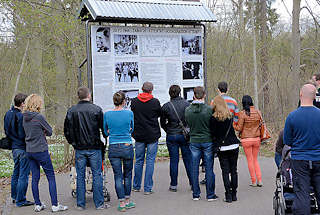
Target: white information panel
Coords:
[[123, 58]]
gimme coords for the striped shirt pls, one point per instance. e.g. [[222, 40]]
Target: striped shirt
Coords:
[[233, 106]]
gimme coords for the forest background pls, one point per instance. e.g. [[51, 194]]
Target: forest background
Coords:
[[42, 44]]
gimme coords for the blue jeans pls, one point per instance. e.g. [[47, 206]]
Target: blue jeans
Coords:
[[277, 159], [121, 157], [43, 159], [20, 176], [152, 149], [305, 174], [174, 142], [196, 150], [94, 159]]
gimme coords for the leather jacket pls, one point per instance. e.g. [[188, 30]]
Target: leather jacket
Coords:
[[82, 126], [169, 120], [249, 126]]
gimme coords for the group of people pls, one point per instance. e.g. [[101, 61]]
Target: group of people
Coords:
[[211, 131]]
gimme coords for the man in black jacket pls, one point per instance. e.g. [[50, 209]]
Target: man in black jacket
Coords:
[[82, 130], [146, 110], [172, 113]]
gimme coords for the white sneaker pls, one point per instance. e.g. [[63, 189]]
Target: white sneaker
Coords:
[[39, 208], [59, 208]]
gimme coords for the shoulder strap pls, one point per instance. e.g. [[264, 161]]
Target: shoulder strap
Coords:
[[225, 137], [177, 114]]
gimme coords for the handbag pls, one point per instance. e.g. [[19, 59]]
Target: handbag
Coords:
[[185, 130], [5, 143], [264, 133]]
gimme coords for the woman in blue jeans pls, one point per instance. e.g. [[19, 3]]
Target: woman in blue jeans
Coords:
[[37, 128], [118, 125]]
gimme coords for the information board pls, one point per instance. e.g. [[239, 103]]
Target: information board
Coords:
[[123, 58]]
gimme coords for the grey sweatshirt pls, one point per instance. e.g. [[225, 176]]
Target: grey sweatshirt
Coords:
[[36, 128]]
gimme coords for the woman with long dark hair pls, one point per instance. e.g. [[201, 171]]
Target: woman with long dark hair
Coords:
[[249, 127]]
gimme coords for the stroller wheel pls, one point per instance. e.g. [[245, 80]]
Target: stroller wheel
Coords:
[[74, 194]]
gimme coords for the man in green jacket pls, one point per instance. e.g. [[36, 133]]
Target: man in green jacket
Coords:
[[198, 116]]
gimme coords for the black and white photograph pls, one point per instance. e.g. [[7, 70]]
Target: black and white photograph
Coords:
[[130, 94], [188, 93], [192, 70], [103, 40], [126, 72], [191, 45], [126, 44]]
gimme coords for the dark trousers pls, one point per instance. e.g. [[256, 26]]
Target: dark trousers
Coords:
[[305, 174], [43, 159], [228, 163], [174, 142]]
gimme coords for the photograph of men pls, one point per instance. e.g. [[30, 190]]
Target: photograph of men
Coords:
[[126, 44], [126, 72], [103, 40], [188, 93], [191, 45], [192, 70], [130, 94]]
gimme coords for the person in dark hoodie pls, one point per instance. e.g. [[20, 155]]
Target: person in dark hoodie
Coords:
[[14, 131], [198, 116], [37, 128], [172, 113], [221, 126], [146, 111]]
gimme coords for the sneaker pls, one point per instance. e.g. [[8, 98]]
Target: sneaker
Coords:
[[79, 208], [196, 199], [39, 208], [252, 184], [103, 206], [148, 192], [26, 203], [214, 198], [260, 184], [172, 189], [135, 190], [130, 205], [59, 207], [122, 209]]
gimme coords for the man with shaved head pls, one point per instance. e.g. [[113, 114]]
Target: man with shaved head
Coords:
[[302, 134]]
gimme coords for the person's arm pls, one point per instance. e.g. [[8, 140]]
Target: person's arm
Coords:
[[66, 129], [213, 128], [163, 118], [101, 123], [239, 126], [158, 109], [288, 134], [131, 122], [105, 126], [21, 133], [236, 113], [45, 125]]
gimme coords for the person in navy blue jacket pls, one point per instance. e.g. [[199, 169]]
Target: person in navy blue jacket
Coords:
[[302, 134], [14, 130]]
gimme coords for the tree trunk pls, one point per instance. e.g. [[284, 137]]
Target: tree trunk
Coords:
[[264, 57], [295, 76], [255, 67]]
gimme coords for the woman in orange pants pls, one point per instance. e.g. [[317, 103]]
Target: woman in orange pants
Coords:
[[249, 128]]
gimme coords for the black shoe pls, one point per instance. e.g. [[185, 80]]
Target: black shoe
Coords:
[[234, 197], [228, 197], [204, 181], [26, 203], [227, 200], [172, 189], [13, 201]]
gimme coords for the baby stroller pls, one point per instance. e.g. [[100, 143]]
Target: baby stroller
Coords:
[[284, 195], [88, 181]]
